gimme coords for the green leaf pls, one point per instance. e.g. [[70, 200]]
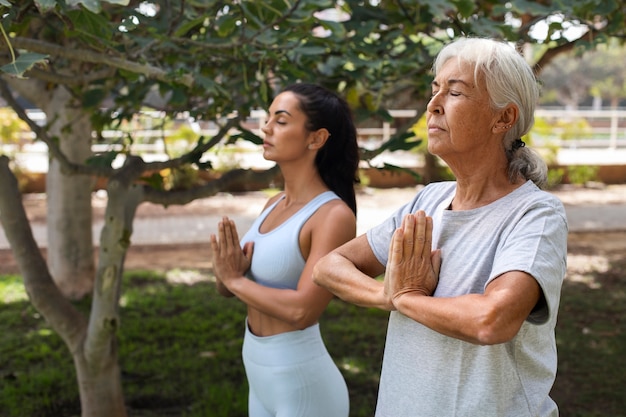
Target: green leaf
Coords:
[[91, 24], [93, 97], [155, 181], [249, 136], [91, 5], [401, 142], [465, 7], [186, 26], [5, 3], [311, 50], [103, 160], [23, 63], [395, 168], [45, 5]]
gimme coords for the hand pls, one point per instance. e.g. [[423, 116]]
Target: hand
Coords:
[[230, 262], [413, 266]]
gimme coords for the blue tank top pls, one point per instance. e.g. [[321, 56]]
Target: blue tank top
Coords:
[[277, 261]]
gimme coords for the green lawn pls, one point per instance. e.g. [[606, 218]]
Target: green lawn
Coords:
[[180, 350]]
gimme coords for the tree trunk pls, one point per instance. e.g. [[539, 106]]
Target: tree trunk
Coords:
[[93, 343], [69, 216], [100, 387]]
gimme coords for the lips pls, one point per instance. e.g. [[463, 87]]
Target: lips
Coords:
[[434, 128]]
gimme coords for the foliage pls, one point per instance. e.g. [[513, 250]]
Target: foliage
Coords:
[[580, 77], [213, 59], [582, 174], [216, 61], [555, 177], [13, 130]]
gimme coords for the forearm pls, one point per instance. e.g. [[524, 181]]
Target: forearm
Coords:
[[340, 276], [286, 305], [472, 317]]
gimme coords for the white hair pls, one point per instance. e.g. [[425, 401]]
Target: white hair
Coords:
[[509, 80]]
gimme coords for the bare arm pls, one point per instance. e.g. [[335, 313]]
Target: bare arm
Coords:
[[490, 318], [412, 272], [332, 225], [350, 273]]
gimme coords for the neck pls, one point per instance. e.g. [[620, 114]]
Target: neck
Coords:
[[302, 185], [474, 192]]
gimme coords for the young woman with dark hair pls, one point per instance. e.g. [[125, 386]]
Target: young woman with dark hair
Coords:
[[311, 135]]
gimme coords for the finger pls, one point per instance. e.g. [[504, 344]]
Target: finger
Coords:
[[234, 234], [222, 237], [428, 237], [248, 249], [436, 261], [408, 225], [226, 226], [395, 248], [420, 225]]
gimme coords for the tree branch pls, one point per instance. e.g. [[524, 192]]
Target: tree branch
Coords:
[[82, 55], [67, 166], [70, 80], [68, 322], [227, 181], [197, 152]]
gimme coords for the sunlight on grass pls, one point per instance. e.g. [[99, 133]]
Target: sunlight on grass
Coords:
[[12, 289], [585, 268], [180, 347]]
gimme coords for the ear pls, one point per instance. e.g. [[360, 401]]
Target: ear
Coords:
[[318, 138], [506, 118]]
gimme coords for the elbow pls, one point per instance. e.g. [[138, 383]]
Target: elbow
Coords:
[[320, 274], [492, 331], [301, 318]]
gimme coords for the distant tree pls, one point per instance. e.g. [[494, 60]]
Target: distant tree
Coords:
[[611, 84], [568, 80], [576, 77], [92, 64]]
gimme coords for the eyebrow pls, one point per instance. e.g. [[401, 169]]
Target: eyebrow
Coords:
[[277, 112], [451, 82]]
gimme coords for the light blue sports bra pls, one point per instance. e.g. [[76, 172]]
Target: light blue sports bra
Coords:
[[277, 261]]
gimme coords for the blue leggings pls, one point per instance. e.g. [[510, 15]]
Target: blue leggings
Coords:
[[292, 375]]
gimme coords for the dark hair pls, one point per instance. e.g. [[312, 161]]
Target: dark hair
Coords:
[[338, 160]]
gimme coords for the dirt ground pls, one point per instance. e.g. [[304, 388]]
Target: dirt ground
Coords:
[[584, 247]]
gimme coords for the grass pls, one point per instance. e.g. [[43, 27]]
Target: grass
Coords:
[[180, 346]]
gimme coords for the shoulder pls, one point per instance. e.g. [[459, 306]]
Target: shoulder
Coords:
[[534, 197], [335, 210]]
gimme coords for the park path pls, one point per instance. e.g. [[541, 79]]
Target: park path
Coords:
[[588, 210]]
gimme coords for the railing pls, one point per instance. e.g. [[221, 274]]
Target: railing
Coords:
[[601, 141], [606, 128]]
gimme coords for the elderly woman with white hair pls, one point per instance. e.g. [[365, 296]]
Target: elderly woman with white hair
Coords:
[[472, 268]]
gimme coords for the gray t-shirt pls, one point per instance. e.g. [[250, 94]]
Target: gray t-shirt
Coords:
[[427, 374]]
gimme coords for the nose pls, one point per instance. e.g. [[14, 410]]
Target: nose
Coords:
[[265, 128], [434, 106]]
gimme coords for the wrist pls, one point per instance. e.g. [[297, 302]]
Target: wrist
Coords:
[[402, 297]]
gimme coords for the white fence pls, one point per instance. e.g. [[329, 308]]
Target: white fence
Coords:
[[583, 137]]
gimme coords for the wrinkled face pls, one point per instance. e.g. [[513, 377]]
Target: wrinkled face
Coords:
[[286, 136], [459, 114]]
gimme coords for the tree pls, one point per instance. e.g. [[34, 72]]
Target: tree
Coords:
[[576, 77], [91, 64]]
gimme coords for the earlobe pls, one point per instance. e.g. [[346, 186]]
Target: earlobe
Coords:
[[507, 119]]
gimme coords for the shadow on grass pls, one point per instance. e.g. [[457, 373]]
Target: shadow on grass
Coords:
[[591, 340], [179, 349], [180, 346]]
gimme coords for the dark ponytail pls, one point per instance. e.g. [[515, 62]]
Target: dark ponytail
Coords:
[[338, 160]]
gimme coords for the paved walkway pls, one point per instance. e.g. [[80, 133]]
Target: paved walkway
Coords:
[[587, 210]]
